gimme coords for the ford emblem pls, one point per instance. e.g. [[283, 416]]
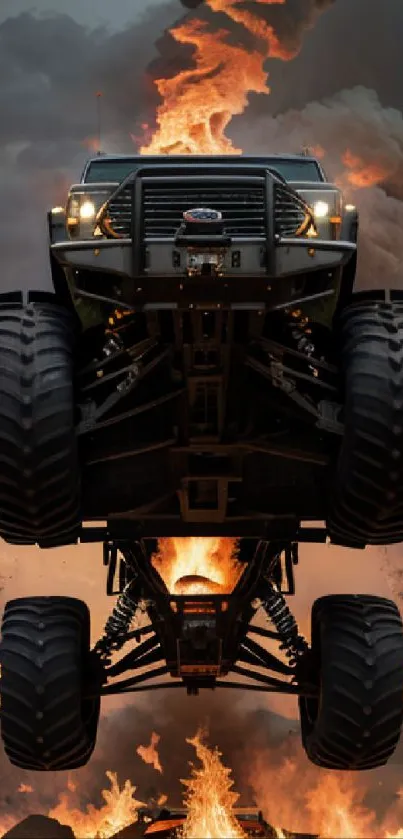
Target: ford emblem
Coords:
[[203, 214]]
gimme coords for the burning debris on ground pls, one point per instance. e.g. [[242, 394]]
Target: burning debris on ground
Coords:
[[336, 804], [209, 810]]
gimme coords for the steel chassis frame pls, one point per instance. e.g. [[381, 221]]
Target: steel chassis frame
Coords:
[[127, 561]]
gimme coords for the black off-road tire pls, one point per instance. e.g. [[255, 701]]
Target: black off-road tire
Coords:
[[366, 499], [39, 467], [357, 663], [47, 723]]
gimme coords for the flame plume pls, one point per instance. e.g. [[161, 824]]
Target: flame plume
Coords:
[[150, 754], [199, 103], [198, 565], [119, 811], [209, 797]]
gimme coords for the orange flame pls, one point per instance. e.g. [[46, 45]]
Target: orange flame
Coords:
[[199, 104], [313, 801], [362, 174], [150, 754], [25, 789], [119, 811], [198, 565], [305, 799], [346, 817], [209, 798]]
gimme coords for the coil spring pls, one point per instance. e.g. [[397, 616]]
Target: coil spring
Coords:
[[302, 336], [294, 644], [118, 624]]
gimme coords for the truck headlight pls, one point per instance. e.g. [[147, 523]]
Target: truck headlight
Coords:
[[321, 209], [88, 211], [83, 205], [326, 202]]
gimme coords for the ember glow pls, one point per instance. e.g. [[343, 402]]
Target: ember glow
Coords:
[[198, 565], [26, 789], [209, 797], [150, 753], [198, 104]]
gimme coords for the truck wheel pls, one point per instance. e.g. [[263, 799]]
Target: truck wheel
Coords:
[[39, 471], [366, 501], [357, 664], [47, 723]]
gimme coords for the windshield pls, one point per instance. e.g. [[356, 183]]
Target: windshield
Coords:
[[104, 170]]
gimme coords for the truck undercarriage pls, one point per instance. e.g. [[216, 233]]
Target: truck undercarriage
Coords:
[[198, 639], [203, 369], [234, 430]]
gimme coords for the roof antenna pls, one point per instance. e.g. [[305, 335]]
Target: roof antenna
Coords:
[[99, 122]]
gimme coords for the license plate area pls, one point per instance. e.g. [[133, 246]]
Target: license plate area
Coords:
[[209, 262], [247, 258]]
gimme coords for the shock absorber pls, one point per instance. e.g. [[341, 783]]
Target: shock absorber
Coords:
[[118, 624], [302, 336], [276, 608]]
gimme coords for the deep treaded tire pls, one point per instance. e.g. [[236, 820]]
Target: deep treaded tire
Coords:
[[357, 655], [39, 471], [46, 722], [366, 504]]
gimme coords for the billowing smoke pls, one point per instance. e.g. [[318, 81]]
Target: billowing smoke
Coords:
[[289, 18], [361, 145], [51, 69], [355, 130]]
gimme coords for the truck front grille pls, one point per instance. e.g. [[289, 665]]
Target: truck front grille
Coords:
[[120, 212], [243, 207], [291, 213]]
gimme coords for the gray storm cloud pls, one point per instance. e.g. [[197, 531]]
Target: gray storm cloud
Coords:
[[351, 126], [52, 67]]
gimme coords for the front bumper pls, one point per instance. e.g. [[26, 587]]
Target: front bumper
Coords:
[[264, 240], [164, 282]]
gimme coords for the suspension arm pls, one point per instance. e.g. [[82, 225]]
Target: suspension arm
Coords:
[[135, 680], [131, 661], [258, 677], [252, 653]]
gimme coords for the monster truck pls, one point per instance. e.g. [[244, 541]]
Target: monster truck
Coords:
[[202, 367]]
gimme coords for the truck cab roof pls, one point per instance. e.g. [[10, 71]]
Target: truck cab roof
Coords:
[[115, 168]]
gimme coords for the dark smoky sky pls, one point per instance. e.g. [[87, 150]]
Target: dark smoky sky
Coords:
[[52, 65]]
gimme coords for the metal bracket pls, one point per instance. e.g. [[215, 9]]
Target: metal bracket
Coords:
[[329, 417]]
